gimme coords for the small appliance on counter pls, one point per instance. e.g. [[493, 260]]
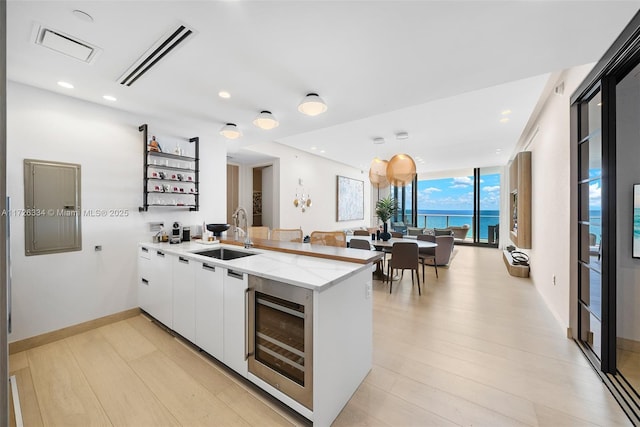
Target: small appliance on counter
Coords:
[[186, 234], [176, 233]]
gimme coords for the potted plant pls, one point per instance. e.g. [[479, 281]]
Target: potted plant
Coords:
[[385, 208]]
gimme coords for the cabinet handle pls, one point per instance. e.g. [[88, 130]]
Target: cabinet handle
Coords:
[[247, 353], [235, 274], [182, 259], [145, 281], [145, 249], [208, 267], [160, 253]]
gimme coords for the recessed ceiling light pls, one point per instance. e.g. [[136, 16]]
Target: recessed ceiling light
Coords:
[[65, 85], [83, 16], [504, 120], [506, 112], [314, 148], [224, 94], [322, 151], [378, 140], [110, 98], [402, 135]]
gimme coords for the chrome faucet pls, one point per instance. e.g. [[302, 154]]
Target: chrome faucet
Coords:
[[236, 223]]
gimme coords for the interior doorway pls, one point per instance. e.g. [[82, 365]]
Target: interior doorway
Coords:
[[233, 190], [262, 196]]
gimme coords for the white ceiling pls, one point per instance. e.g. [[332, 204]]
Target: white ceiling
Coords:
[[443, 71]]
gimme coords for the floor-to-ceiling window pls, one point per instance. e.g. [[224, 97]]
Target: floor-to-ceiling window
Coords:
[[469, 199]]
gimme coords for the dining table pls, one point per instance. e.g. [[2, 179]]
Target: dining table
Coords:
[[381, 245]]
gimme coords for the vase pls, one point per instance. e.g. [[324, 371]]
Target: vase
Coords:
[[384, 236]]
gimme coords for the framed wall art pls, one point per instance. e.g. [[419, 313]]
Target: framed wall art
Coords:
[[350, 199]]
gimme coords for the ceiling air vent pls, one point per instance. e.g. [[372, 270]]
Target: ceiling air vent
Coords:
[[158, 51], [65, 44]]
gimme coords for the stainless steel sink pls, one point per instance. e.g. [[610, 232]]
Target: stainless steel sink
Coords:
[[224, 254]]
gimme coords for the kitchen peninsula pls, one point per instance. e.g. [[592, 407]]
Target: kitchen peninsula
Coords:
[[297, 324]]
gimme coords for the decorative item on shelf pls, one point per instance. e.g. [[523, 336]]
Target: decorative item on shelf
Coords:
[[312, 105], [154, 146], [385, 209]]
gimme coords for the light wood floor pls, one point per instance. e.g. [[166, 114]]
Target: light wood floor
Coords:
[[479, 347]]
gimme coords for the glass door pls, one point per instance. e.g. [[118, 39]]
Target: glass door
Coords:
[[627, 263], [590, 281]]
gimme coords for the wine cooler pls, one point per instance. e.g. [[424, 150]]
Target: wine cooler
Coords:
[[280, 337]]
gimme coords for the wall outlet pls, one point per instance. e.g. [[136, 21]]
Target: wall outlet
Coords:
[[97, 248], [367, 290], [553, 279]]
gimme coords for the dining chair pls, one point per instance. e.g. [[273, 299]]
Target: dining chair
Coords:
[[287, 234], [359, 244], [427, 254], [404, 256], [364, 244], [396, 234], [361, 233], [329, 238], [260, 232]]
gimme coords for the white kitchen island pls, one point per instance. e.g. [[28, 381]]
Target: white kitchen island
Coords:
[[203, 299]]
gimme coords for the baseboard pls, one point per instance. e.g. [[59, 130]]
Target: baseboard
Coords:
[[49, 337], [627, 344]]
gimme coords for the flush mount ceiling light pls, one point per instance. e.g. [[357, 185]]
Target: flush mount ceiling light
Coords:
[[402, 135], [110, 98], [312, 105], [224, 94], [230, 131], [65, 85], [265, 120], [378, 140]]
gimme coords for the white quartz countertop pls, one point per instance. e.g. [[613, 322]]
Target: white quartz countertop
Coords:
[[299, 270]]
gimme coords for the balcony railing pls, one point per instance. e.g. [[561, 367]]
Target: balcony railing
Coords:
[[433, 220]]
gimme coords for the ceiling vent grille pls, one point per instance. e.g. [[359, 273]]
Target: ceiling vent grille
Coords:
[[158, 51], [65, 44]]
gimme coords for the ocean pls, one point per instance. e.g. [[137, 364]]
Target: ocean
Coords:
[[443, 218]]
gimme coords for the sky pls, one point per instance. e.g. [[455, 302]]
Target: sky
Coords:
[[457, 193]]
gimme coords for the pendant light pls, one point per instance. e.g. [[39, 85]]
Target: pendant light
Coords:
[[401, 170], [265, 120], [312, 105], [230, 131], [378, 173]]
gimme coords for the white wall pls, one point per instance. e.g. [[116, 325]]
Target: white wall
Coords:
[[319, 176], [627, 174], [550, 160], [54, 291]]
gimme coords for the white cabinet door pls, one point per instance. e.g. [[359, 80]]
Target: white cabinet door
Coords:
[[144, 277], [184, 297], [235, 285], [160, 303], [209, 306]]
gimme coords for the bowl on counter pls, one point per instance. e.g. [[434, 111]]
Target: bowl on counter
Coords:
[[218, 229]]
